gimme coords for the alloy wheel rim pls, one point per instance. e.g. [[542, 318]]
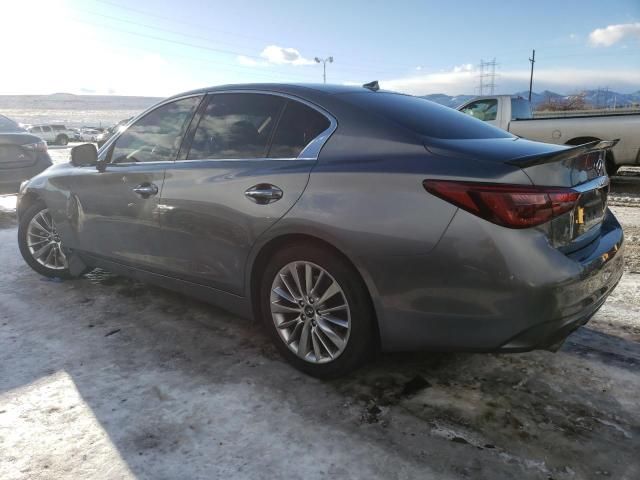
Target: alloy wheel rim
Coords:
[[44, 243], [310, 312]]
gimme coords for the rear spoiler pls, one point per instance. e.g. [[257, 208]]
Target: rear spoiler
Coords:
[[561, 155]]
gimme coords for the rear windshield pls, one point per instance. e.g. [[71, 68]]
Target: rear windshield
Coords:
[[520, 108], [424, 117]]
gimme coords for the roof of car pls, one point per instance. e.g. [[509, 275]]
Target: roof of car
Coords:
[[292, 88]]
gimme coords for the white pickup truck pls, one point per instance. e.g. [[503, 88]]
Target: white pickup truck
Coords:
[[514, 115], [53, 134]]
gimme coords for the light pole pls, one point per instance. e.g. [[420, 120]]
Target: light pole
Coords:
[[324, 66]]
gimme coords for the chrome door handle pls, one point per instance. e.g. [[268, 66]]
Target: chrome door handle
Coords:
[[145, 190], [263, 193]]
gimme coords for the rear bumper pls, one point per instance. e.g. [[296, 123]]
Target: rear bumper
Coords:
[[11, 178], [603, 264], [493, 289]]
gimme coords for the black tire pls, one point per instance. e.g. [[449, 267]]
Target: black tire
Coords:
[[62, 140], [23, 226], [361, 342]]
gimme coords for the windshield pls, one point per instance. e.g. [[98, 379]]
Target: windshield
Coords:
[[424, 117]]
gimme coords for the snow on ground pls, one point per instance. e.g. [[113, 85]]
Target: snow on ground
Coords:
[[106, 377]]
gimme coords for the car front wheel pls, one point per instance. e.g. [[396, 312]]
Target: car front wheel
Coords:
[[40, 244], [317, 310]]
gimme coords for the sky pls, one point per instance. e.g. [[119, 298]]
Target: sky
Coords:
[[162, 47]]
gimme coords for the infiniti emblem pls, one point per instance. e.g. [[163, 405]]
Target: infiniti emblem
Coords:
[[599, 165]]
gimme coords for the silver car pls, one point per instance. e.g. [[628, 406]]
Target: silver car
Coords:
[[347, 219]]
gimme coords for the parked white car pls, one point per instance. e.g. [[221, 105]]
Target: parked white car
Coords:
[[55, 134], [514, 115], [89, 134]]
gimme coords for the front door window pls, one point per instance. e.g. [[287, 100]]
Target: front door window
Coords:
[[156, 137]]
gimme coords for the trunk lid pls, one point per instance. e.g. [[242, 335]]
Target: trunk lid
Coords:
[[581, 168], [16, 150]]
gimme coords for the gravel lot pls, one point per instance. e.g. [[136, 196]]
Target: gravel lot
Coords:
[[104, 377]]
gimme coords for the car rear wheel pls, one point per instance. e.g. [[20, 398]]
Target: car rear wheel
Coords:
[[40, 244], [62, 140], [317, 310]]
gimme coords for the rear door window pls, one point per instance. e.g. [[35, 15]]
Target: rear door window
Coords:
[[298, 126], [236, 126], [46, 129], [520, 109]]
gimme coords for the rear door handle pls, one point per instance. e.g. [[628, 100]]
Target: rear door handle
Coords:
[[146, 190], [263, 193]]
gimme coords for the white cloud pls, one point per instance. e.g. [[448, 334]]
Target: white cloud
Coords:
[[275, 55], [612, 34], [284, 56], [467, 67], [464, 80]]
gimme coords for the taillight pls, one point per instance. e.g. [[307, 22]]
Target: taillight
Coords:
[[36, 147], [512, 206]]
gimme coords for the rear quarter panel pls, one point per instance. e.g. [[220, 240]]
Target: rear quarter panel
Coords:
[[369, 202]]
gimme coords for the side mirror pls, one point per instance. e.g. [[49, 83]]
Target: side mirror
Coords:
[[84, 155]]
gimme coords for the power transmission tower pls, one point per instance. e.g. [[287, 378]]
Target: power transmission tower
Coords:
[[487, 77], [602, 97]]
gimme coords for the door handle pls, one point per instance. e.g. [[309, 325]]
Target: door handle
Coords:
[[263, 193], [145, 190]]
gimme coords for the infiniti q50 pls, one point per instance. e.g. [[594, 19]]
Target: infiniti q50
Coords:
[[349, 220]]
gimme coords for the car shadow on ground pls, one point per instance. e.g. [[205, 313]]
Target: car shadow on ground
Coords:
[[8, 218], [172, 380]]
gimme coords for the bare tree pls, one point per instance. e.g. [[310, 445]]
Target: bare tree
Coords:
[[565, 104]]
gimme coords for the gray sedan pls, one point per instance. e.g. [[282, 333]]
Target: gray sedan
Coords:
[[347, 219], [22, 155]]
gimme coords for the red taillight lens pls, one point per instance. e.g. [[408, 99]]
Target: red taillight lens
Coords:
[[512, 206]]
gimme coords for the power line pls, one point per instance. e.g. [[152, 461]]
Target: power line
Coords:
[[148, 13], [177, 42]]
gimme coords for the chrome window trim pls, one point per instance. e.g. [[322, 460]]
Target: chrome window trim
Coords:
[[309, 153]]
